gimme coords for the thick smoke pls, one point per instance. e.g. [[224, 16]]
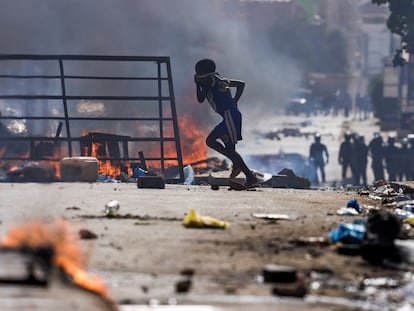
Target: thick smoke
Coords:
[[185, 30]]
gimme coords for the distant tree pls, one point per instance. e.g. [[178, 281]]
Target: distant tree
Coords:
[[400, 22], [375, 91]]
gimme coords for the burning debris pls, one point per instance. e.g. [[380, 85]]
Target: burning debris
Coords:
[[88, 108], [53, 252]]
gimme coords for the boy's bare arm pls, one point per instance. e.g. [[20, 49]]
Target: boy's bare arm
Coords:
[[239, 85], [201, 94]]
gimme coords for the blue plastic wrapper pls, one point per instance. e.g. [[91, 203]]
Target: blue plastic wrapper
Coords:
[[139, 172], [348, 233], [354, 203]]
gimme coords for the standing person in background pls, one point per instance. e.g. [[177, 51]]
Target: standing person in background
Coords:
[[391, 158], [360, 160], [376, 151], [316, 154], [345, 154], [410, 157], [402, 161], [223, 138]]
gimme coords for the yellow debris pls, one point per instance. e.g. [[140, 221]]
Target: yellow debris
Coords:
[[195, 220]]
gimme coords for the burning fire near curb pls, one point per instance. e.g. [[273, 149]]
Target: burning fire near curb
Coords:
[[52, 258]]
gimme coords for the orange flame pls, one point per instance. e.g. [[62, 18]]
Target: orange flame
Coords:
[[51, 161], [67, 253], [192, 139], [106, 167]]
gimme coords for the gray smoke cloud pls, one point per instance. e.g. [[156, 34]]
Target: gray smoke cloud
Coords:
[[185, 30]]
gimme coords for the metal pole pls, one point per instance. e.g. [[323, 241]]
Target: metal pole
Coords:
[[160, 112], [65, 106], [175, 122]]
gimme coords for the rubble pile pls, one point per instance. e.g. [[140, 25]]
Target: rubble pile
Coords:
[[387, 222]]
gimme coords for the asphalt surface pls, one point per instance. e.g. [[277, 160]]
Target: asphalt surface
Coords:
[[144, 252]]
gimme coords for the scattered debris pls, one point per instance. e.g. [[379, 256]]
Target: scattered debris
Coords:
[[295, 289], [38, 173], [272, 216], [238, 186], [279, 274], [107, 179], [286, 178], [320, 241], [124, 177], [189, 272], [73, 208], [219, 181], [215, 187], [382, 228], [183, 286], [112, 208], [355, 205], [346, 233], [151, 182], [195, 220], [405, 250], [189, 176], [347, 211], [85, 234], [138, 171]]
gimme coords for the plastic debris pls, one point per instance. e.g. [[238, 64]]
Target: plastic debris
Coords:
[[195, 220], [375, 197], [347, 211], [409, 208], [402, 213], [406, 250], [354, 204], [189, 175], [272, 216], [106, 178], [139, 172], [409, 220], [348, 233]]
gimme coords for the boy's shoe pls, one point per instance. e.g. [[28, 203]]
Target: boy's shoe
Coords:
[[235, 172], [252, 182]]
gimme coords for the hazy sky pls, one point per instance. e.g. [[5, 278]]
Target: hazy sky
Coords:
[[185, 30]]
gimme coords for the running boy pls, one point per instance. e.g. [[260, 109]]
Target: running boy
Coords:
[[217, 90]]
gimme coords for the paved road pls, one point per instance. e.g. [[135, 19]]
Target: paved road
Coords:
[[142, 256], [331, 129]]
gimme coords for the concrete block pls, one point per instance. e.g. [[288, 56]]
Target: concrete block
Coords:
[[155, 182], [38, 173], [79, 169]]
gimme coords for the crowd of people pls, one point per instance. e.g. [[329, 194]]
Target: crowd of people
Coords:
[[391, 160]]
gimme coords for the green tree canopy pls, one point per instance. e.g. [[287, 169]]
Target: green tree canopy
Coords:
[[400, 22]]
